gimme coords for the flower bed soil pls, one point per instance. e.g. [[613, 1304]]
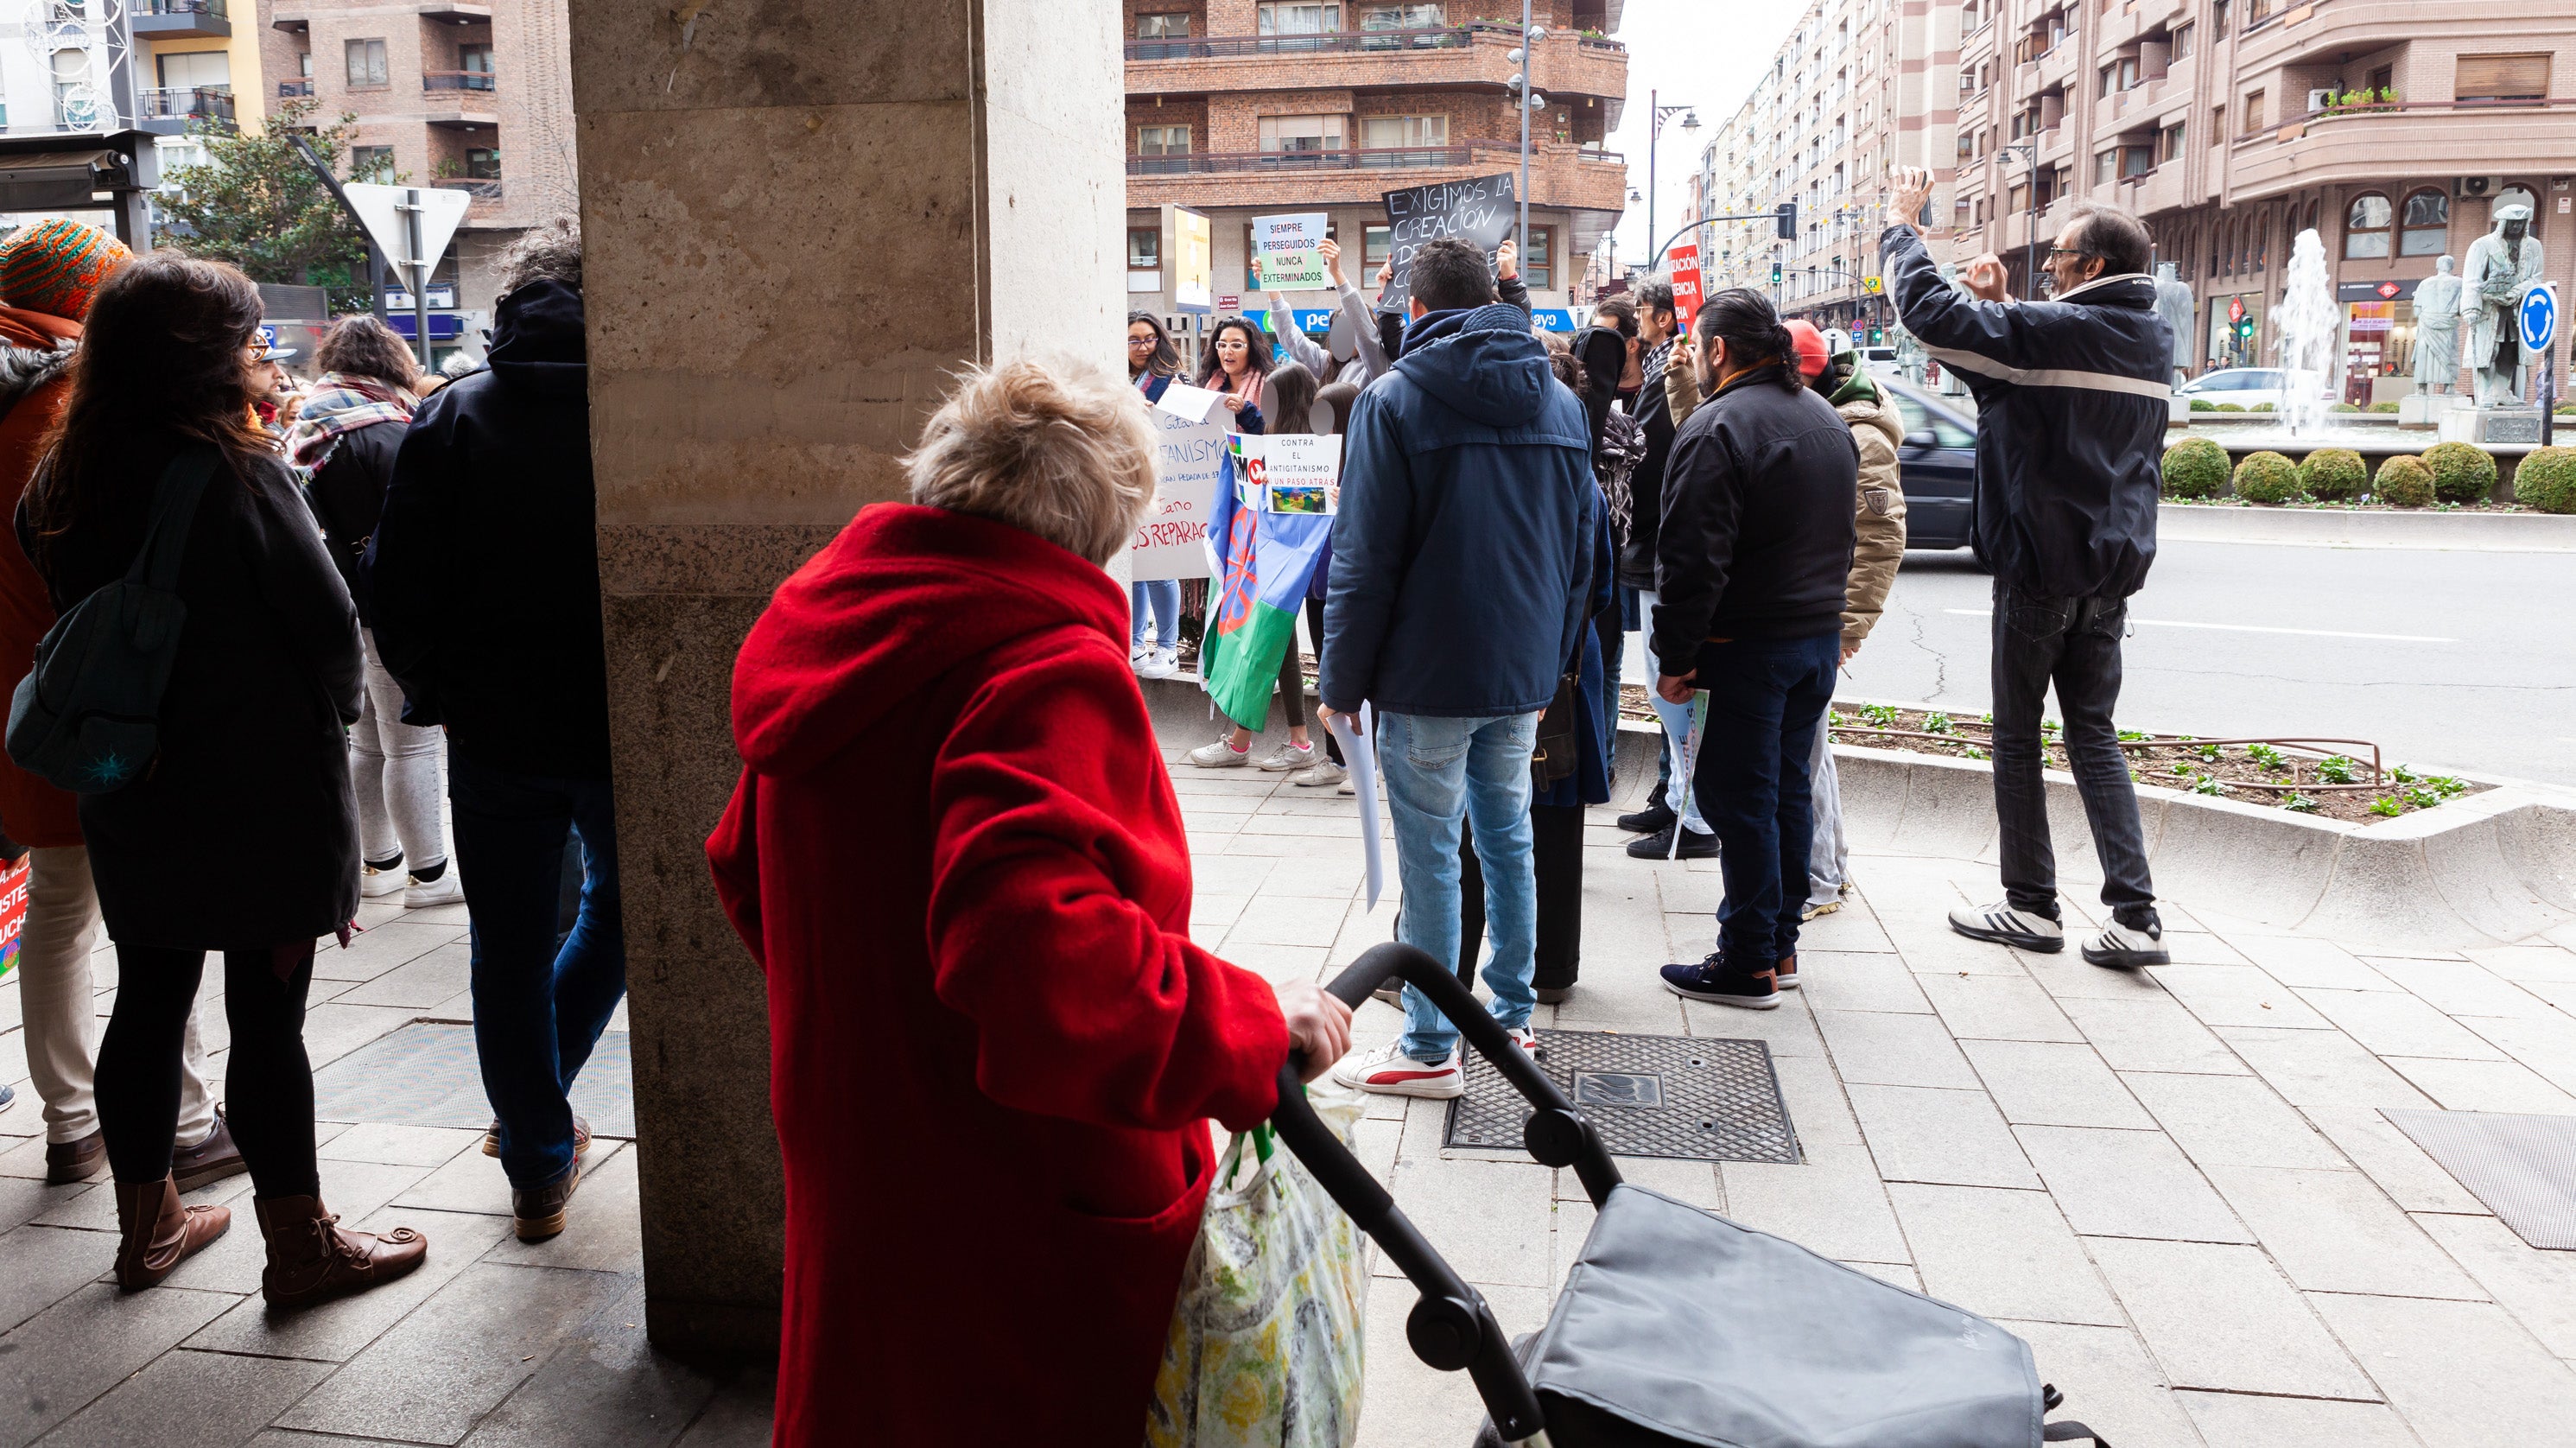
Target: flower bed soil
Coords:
[[2331, 779], [2313, 505]]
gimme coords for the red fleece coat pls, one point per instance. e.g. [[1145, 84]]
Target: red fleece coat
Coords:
[[994, 1049]]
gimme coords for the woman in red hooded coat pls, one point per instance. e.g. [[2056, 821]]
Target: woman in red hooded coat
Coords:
[[957, 857]]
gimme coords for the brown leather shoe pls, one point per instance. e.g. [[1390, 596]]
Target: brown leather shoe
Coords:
[[77, 1160], [156, 1233], [541, 1213], [212, 1159], [580, 1139], [312, 1258]]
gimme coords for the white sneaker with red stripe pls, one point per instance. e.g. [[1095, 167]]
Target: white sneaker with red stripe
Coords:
[[1523, 1037], [1390, 1072]]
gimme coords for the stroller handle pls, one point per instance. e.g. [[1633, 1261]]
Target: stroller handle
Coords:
[[1451, 1327]]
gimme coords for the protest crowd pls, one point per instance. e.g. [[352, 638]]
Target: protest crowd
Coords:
[[954, 849]]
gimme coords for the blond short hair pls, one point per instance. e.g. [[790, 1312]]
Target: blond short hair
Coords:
[[1058, 448]]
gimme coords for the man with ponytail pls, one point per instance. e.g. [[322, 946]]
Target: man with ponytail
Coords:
[[1750, 564]]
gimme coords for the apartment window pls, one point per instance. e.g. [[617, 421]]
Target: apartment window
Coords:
[[366, 60], [2253, 111], [1402, 17], [2170, 142], [197, 70], [1300, 17], [1301, 135], [483, 163], [371, 163], [2110, 80], [1538, 260], [1163, 27], [2382, 78], [2425, 224], [2136, 161], [2501, 77], [2218, 19], [1166, 149], [1401, 133], [71, 74], [474, 59], [1377, 247], [1144, 248], [2217, 124], [2106, 165], [1967, 145], [2182, 38]]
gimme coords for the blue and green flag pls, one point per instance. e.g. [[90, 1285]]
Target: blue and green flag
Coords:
[[1267, 560]]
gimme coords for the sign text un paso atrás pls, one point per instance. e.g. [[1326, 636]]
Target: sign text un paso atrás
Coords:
[[1482, 211]]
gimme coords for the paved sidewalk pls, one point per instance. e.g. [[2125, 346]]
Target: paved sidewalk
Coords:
[[2177, 1187]]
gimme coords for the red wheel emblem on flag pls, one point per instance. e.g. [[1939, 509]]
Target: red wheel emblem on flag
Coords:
[[1234, 608]]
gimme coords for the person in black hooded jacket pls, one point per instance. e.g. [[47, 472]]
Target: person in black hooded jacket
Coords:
[[484, 584]]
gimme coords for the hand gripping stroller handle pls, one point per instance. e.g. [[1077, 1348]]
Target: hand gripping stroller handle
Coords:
[[1451, 1327]]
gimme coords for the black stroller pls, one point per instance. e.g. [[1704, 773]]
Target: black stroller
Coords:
[[1677, 1326]]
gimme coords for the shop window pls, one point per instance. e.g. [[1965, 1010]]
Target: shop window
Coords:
[[2365, 227], [1538, 259], [2501, 77], [366, 64]]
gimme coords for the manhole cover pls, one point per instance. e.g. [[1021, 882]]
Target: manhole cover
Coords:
[[426, 1074], [1676, 1096]]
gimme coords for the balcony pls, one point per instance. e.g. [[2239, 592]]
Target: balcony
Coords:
[[180, 19], [460, 99], [2436, 138], [1454, 56], [288, 90], [2162, 189], [169, 112], [456, 80], [481, 188], [1560, 175]]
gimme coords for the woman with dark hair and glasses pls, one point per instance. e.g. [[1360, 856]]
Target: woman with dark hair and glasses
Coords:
[[251, 755], [1750, 569], [1237, 364], [1152, 363]]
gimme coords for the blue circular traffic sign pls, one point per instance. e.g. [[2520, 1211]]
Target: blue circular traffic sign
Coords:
[[2538, 315]]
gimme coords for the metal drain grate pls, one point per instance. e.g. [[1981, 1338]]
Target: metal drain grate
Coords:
[[1671, 1096], [2522, 1167], [426, 1074]]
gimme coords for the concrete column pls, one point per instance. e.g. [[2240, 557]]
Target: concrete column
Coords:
[[798, 216]]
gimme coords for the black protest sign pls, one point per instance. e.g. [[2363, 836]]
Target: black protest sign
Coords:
[[1482, 211]]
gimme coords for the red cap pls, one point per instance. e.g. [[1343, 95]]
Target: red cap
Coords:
[[1812, 356]]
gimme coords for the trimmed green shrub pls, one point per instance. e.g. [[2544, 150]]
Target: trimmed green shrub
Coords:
[[2343, 407], [2403, 482], [2230, 407], [2546, 480], [2195, 467], [2461, 473], [2203, 404], [2262, 407], [2382, 407], [2267, 477], [2333, 474]]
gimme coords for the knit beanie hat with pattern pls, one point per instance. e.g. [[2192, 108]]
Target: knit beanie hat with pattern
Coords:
[[56, 267]]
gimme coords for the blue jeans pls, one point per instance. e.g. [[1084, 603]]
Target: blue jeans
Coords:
[[538, 1009], [1162, 598], [1676, 719], [1766, 699], [1440, 771]]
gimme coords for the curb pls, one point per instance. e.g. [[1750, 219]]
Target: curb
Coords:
[[2337, 528], [2488, 869]]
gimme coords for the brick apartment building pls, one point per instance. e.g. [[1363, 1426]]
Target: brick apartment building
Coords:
[[1238, 108], [1859, 88], [472, 96]]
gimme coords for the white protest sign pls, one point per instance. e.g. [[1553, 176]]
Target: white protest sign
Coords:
[[1189, 457], [1294, 472], [1188, 403], [1284, 250]]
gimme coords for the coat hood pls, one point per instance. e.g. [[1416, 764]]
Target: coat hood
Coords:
[[903, 596], [1482, 362], [1871, 410], [34, 350], [537, 340]]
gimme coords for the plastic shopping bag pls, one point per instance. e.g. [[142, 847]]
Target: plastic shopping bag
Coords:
[[1265, 1340]]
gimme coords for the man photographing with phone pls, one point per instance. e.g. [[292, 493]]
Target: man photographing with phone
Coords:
[[2072, 401]]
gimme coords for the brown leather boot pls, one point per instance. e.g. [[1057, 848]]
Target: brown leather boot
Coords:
[[312, 1258], [156, 1232]]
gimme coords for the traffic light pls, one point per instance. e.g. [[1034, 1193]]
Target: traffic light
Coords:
[[2245, 331], [1775, 274], [1787, 217]]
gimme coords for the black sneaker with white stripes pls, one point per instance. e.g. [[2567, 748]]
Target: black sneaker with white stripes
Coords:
[[2002, 923]]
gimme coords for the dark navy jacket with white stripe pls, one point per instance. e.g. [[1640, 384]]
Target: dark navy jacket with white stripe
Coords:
[[2072, 399]]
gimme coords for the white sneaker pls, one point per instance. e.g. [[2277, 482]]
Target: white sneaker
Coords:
[[1523, 1037], [1322, 774], [1220, 755], [445, 890], [2001, 923], [2123, 947], [1390, 1072], [1137, 654], [1159, 664], [1291, 756], [375, 884]]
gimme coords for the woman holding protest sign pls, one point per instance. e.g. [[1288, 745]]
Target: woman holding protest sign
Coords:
[[1293, 393], [1236, 366], [1152, 363]]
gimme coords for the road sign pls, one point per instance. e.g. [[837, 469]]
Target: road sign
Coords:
[[2236, 309], [2538, 315], [1873, 285], [387, 213]]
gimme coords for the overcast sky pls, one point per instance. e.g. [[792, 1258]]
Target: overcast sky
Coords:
[[1702, 53]]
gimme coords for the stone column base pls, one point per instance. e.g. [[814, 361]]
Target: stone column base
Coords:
[[2491, 424]]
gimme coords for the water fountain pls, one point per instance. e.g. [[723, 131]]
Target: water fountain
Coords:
[[2311, 328]]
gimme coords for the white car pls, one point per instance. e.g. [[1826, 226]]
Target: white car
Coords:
[[2247, 387]]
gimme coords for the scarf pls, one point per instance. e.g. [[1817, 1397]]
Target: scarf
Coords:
[[1651, 370], [340, 404]]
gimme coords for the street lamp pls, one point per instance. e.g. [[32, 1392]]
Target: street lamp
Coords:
[[1656, 116], [1529, 100], [2030, 194]]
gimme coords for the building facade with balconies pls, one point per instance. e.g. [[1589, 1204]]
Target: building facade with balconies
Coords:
[[2392, 129], [473, 96], [1244, 108]]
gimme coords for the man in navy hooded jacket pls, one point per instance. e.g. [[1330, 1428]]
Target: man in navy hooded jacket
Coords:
[[1462, 560]]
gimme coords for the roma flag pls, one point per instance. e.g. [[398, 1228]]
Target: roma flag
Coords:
[[1266, 559]]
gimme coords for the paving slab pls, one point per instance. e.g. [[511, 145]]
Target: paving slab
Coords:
[[340, 1330], [2128, 1184], [2412, 1179], [1841, 980], [205, 1400], [2483, 1085], [2003, 1254], [59, 1361], [2222, 1317], [2537, 1287], [1997, 1008], [2335, 1231], [2151, 1032], [2046, 1083], [2232, 1121], [1884, 1049], [2391, 1024], [1926, 1134], [2236, 995], [604, 1387], [2108, 1377], [738, 1414], [46, 1265], [2297, 961], [1834, 1204], [2459, 1372], [2243, 1420], [2321, 1068]]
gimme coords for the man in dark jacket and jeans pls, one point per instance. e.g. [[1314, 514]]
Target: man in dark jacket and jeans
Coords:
[[485, 579], [2072, 397], [1462, 561], [1750, 563]]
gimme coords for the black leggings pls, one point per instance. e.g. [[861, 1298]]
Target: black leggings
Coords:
[[268, 1083], [1315, 627]]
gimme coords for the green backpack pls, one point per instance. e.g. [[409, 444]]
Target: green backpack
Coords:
[[87, 718]]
